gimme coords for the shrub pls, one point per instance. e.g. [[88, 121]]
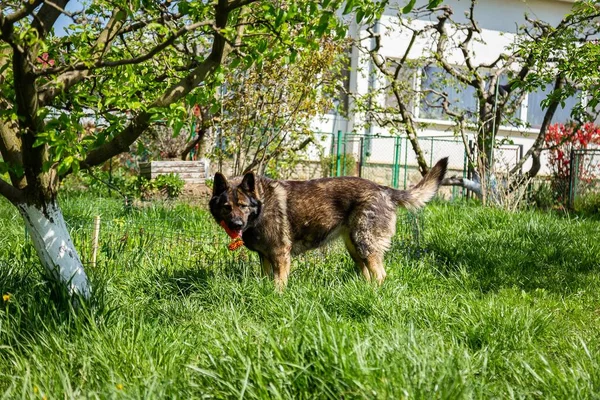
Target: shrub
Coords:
[[561, 139], [329, 165], [543, 196], [170, 184], [588, 205]]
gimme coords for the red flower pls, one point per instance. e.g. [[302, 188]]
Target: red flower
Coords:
[[45, 60], [196, 110]]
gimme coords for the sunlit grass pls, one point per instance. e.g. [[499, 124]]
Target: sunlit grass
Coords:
[[498, 305]]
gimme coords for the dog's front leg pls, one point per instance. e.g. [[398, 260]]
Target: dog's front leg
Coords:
[[267, 267], [281, 269]]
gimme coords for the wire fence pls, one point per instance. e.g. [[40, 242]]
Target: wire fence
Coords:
[[131, 243], [391, 161]]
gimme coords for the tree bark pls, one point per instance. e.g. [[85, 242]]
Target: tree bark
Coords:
[[52, 241]]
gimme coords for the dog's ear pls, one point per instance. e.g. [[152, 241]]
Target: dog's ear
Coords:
[[220, 184], [249, 182]]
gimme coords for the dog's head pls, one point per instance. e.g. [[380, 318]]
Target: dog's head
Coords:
[[238, 204]]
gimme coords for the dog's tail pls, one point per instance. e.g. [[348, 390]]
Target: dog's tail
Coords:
[[416, 197]]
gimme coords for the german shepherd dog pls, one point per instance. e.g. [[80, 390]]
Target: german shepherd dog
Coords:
[[278, 219]]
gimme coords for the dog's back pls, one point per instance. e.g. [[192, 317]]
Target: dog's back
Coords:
[[322, 209]]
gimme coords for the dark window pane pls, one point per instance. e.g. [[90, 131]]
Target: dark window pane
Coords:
[[461, 97], [535, 112]]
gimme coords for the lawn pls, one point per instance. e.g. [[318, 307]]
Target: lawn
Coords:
[[495, 305]]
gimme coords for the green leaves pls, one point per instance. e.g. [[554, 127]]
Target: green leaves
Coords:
[[578, 64], [109, 67], [408, 8], [411, 4], [434, 3]]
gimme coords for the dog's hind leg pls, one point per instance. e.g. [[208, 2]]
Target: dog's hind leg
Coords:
[[281, 269], [375, 265], [359, 264]]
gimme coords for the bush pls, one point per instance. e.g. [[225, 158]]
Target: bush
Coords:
[[122, 182], [102, 182], [170, 184], [561, 139], [543, 196], [329, 165], [588, 205]]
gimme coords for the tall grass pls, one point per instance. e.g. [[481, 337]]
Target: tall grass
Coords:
[[499, 305]]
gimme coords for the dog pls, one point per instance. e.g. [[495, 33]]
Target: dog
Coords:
[[278, 219]]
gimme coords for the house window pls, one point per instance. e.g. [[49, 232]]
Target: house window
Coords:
[[535, 111], [508, 120], [460, 96], [404, 87]]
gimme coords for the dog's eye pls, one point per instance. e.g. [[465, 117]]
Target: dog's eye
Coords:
[[227, 206], [244, 206]]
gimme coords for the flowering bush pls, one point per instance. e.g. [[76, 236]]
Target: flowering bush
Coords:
[[560, 140]]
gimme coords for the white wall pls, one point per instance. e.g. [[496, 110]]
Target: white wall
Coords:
[[497, 18]]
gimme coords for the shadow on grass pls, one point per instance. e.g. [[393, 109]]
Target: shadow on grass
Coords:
[[527, 250], [34, 304]]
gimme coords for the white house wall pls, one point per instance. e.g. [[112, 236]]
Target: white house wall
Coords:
[[498, 20]]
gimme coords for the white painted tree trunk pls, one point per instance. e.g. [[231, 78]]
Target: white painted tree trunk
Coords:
[[54, 246]]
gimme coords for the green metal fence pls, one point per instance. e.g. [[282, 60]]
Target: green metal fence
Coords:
[[390, 160]]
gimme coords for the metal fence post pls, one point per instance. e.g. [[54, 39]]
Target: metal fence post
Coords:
[[464, 171], [338, 160], [344, 154], [396, 166], [572, 183], [405, 161], [431, 154], [361, 143]]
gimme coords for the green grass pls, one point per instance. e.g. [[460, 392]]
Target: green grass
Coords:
[[499, 305]]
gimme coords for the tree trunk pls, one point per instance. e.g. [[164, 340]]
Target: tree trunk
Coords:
[[52, 242]]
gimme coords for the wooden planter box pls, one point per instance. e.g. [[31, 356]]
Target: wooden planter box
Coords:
[[189, 171]]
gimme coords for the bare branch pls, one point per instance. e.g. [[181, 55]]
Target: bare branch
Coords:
[[536, 149], [23, 12], [46, 17], [440, 27]]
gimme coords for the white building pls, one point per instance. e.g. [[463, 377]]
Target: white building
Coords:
[[498, 20]]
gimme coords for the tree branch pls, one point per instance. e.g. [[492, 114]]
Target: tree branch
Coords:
[[45, 18], [23, 12], [403, 108], [13, 194], [276, 153], [440, 27], [10, 149], [65, 81], [140, 123], [536, 149], [85, 67]]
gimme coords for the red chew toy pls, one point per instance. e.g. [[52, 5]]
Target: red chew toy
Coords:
[[237, 241]]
